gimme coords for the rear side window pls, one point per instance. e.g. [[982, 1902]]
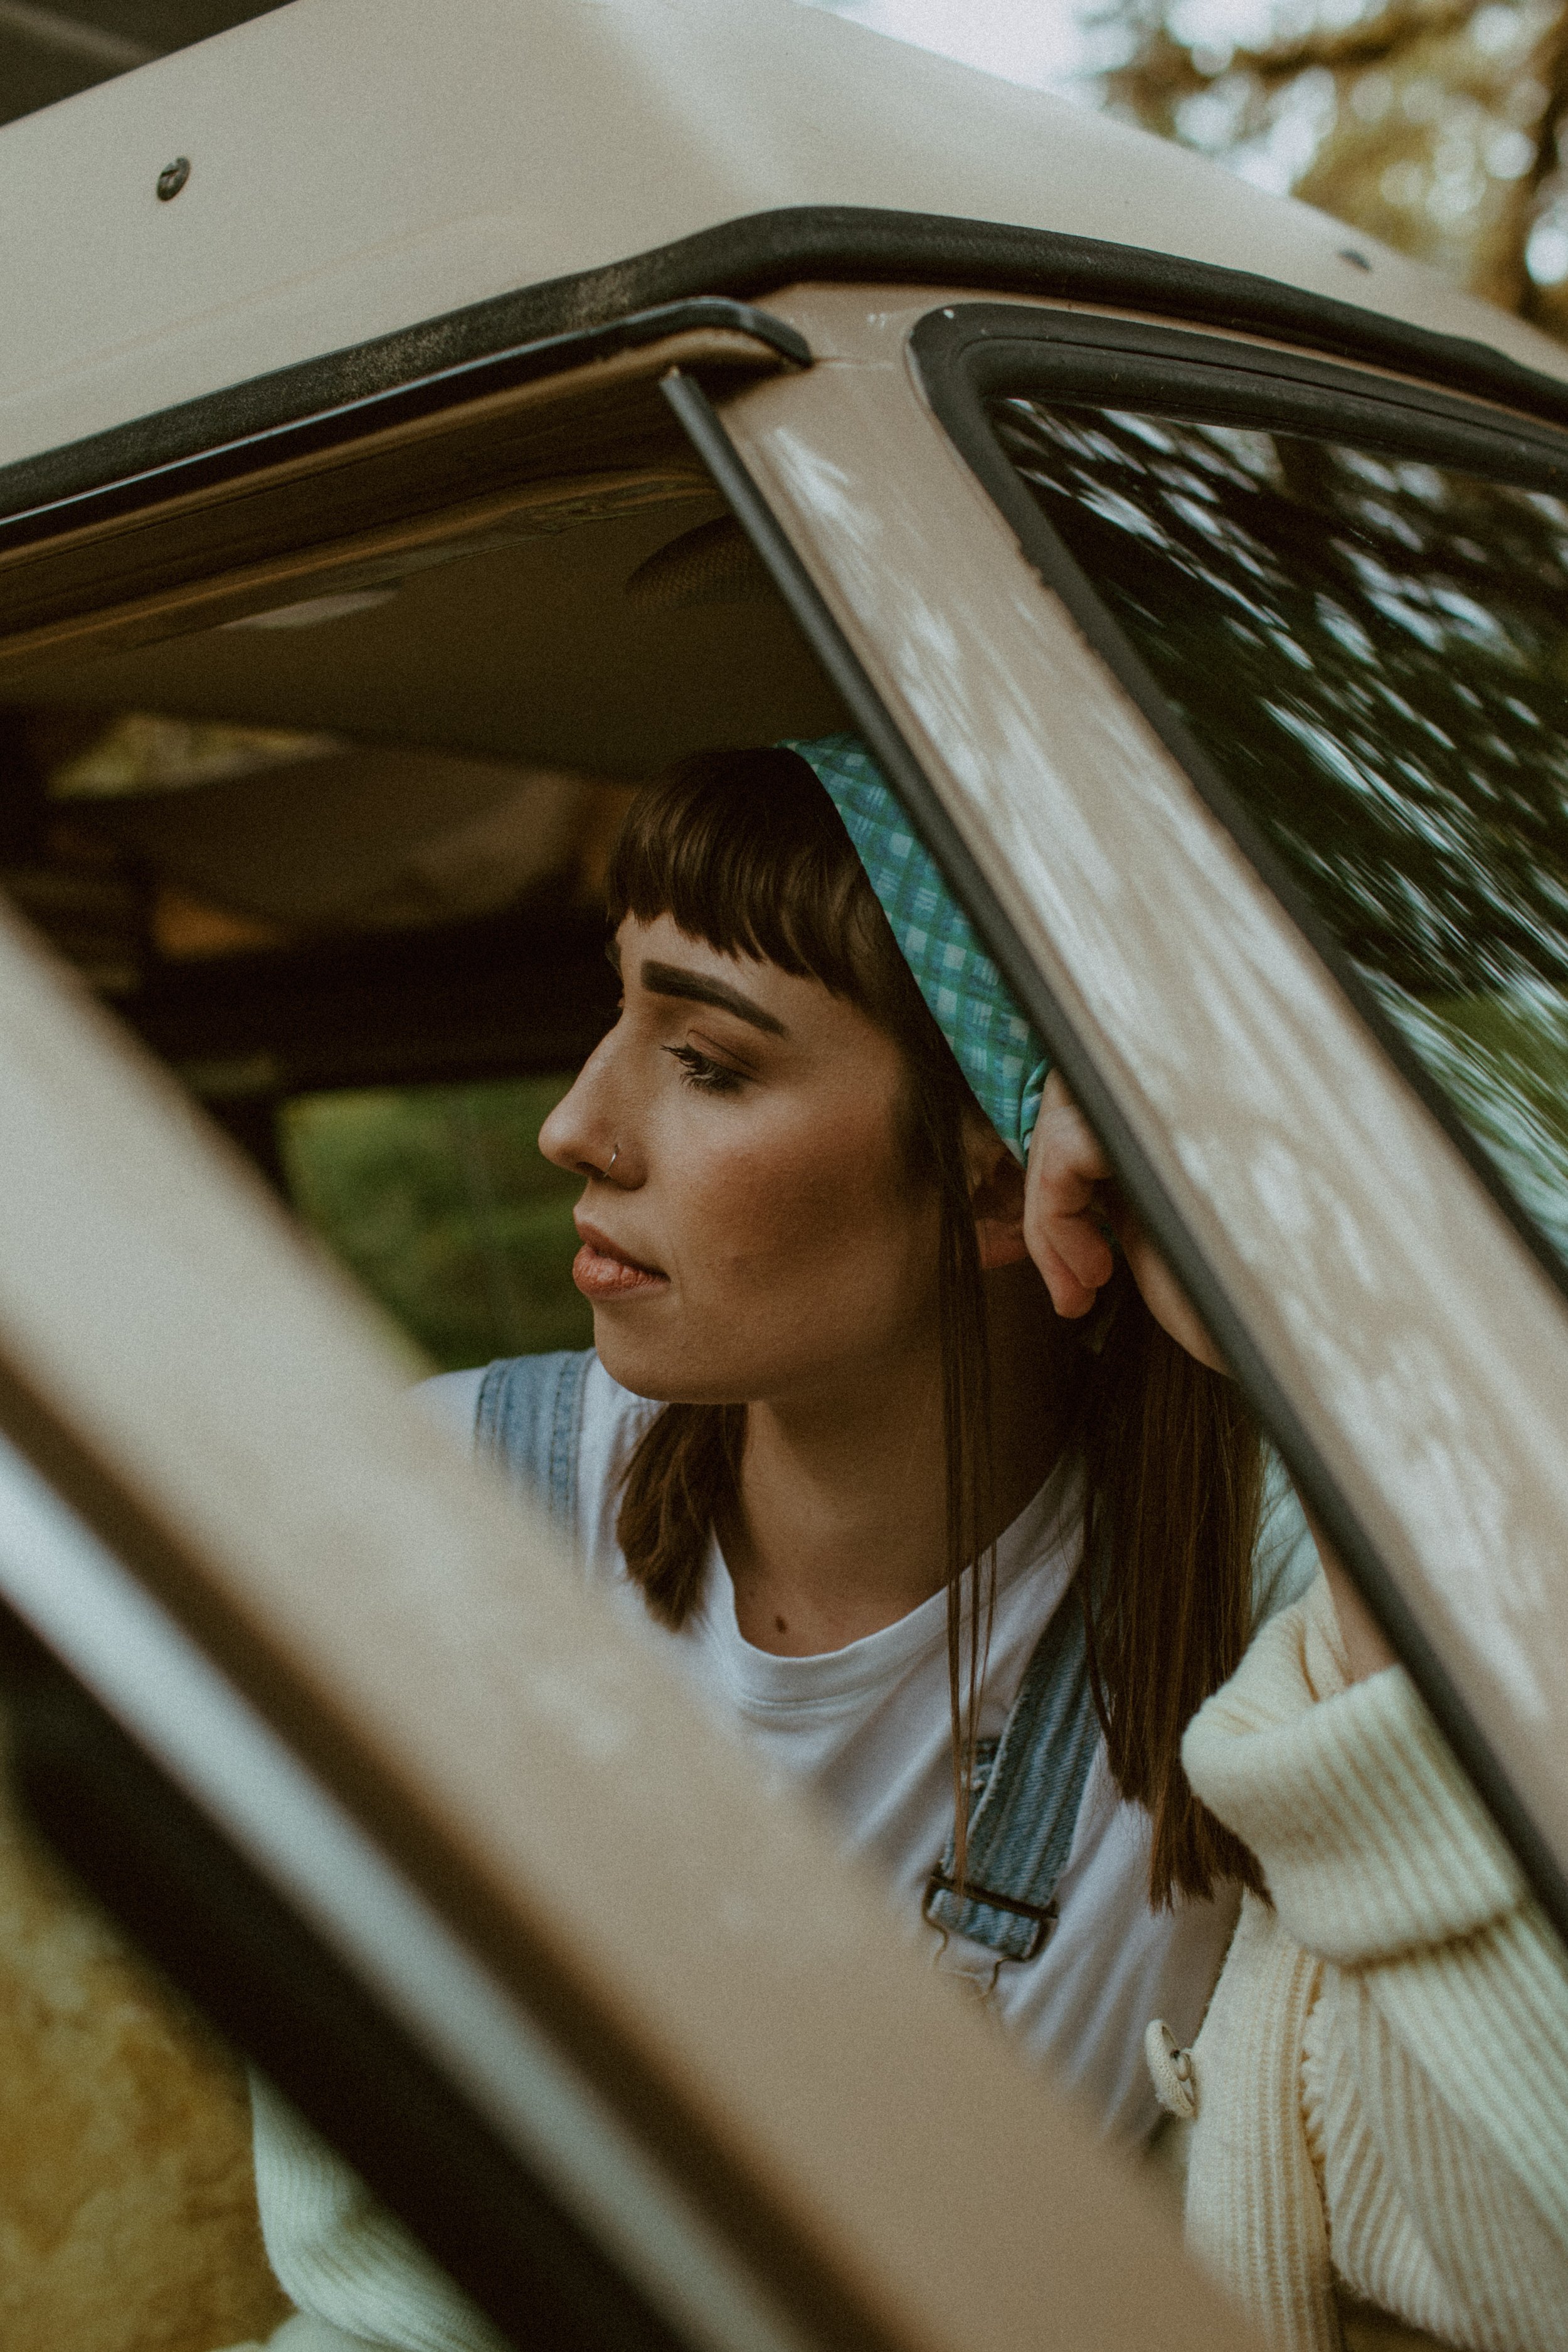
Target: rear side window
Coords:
[[1372, 650]]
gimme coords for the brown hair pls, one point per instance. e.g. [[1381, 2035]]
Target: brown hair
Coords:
[[1173, 1483], [745, 851]]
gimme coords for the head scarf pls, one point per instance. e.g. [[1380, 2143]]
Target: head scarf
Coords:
[[1003, 1057]]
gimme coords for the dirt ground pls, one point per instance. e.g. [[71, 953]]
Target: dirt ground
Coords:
[[127, 2204]]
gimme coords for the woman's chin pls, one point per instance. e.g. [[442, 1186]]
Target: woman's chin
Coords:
[[631, 1361], [637, 1361]]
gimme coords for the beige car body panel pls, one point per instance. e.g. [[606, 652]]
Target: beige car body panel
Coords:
[[359, 166], [703, 1984]]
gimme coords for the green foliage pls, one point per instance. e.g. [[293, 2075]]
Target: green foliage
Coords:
[[438, 1200]]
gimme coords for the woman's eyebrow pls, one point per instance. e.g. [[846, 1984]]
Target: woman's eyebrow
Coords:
[[670, 979]]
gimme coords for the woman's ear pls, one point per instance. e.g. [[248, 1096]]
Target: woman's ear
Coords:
[[997, 1197]]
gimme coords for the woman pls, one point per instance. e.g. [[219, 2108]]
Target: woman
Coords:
[[835, 1453], [1379, 2094], [826, 1376]]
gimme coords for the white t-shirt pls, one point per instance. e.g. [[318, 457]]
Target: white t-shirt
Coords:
[[865, 1730]]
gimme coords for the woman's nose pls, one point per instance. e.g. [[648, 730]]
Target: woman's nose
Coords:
[[577, 1135]]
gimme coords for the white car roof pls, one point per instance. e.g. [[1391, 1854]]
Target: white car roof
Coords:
[[358, 166]]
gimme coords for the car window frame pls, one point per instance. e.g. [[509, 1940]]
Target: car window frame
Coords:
[[832, 2278], [860, 670], [965, 355]]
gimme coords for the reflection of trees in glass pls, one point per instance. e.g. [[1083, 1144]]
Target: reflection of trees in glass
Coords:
[[1374, 651], [1502, 1060], [1434, 124], [438, 1200]]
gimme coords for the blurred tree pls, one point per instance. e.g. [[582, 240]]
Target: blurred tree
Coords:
[[1433, 124], [438, 1199]]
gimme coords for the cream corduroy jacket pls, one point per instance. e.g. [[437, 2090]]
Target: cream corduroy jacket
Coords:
[[1380, 2089]]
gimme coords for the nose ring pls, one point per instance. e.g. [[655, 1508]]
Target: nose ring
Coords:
[[611, 1159]]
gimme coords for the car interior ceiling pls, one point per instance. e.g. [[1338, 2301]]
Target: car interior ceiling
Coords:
[[360, 840]]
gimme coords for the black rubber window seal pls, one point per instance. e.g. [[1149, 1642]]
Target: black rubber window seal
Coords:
[[1270, 1399], [743, 260], [373, 411]]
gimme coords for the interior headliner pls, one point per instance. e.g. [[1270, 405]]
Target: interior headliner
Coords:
[[533, 653]]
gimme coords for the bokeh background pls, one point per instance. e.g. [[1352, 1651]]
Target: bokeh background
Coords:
[[1439, 126], [1433, 124], [438, 1200]]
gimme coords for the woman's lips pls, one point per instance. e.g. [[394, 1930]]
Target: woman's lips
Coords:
[[600, 1270]]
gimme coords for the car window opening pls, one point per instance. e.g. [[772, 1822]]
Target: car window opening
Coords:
[[340, 872]]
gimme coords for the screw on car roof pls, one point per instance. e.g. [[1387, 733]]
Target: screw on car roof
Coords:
[[173, 178]]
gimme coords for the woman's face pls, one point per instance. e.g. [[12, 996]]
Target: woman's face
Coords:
[[751, 1231]]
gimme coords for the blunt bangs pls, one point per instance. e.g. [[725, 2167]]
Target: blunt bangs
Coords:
[[745, 851]]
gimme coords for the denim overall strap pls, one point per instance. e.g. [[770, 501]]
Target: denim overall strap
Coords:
[[1025, 1799], [529, 1419]]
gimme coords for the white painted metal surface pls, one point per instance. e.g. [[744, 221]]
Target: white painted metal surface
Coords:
[[360, 165]]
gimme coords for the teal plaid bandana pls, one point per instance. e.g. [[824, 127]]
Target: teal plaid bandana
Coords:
[[1002, 1057]]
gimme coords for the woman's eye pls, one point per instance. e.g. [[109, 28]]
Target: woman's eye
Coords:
[[700, 1070]]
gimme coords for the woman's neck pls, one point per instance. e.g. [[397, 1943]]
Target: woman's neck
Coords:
[[841, 1521]]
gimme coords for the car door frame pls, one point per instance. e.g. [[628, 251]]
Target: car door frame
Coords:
[[296, 1643], [1158, 961]]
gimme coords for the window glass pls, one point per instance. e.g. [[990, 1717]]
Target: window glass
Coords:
[[438, 1199], [1373, 652]]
